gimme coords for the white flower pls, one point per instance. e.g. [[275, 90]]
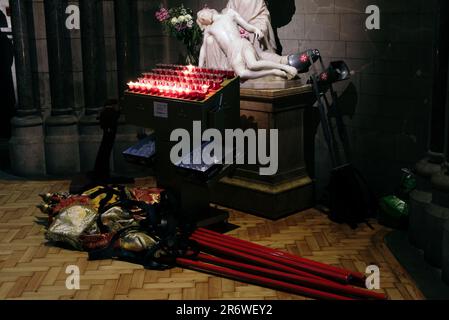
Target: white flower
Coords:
[[181, 18], [190, 24], [174, 21], [188, 17]]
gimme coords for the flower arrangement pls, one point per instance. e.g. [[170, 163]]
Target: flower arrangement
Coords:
[[179, 22]]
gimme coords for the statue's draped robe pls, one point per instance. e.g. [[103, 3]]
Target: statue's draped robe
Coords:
[[256, 13]]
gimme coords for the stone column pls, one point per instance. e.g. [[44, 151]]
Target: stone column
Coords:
[[62, 142], [94, 78], [437, 212], [127, 34], [442, 183], [445, 259], [431, 165], [27, 141]]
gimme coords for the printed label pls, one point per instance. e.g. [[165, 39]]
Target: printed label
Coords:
[[160, 110]]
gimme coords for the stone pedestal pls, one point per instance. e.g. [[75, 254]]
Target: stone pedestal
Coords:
[[27, 147], [291, 189], [62, 145]]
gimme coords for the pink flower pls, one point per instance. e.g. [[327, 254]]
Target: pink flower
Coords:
[[162, 15], [243, 33]]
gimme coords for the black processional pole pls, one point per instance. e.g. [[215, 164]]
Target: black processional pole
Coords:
[[101, 174], [350, 199], [108, 118]]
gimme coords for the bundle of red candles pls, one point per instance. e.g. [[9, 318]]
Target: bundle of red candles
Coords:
[[251, 263], [180, 82]]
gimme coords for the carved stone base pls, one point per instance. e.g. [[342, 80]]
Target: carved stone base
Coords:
[[437, 215], [291, 189], [271, 83], [269, 201], [419, 200], [26, 147], [62, 145], [427, 168]]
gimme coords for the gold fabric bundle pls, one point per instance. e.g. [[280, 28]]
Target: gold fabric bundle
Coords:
[[71, 223], [116, 219], [74, 219], [136, 241]]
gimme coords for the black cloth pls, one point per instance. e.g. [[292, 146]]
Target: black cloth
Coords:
[[281, 13]]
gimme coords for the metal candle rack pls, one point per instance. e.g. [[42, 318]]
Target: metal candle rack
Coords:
[[171, 97]]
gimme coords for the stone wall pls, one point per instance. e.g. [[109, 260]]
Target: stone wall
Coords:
[[154, 46], [41, 67], [387, 102]]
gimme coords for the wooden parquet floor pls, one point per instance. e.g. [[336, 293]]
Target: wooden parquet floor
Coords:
[[31, 269]]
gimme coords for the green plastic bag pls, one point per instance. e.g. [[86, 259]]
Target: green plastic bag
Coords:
[[394, 209], [393, 212]]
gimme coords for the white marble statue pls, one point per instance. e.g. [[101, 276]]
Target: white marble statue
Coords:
[[224, 45]]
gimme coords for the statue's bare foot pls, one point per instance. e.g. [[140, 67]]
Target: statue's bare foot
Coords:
[[292, 72]]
